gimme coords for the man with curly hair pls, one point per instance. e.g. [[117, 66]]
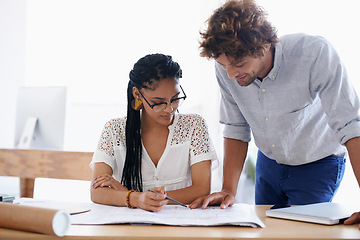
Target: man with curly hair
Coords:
[[293, 94]]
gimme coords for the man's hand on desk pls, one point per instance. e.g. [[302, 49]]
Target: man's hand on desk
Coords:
[[355, 217], [224, 199]]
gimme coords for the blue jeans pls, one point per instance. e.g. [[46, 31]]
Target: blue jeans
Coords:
[[282, 185]]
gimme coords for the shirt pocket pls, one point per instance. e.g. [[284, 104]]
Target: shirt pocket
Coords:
[[290, 123]]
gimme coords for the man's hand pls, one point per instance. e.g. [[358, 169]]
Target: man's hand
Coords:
[[224, 199], [355, 217]]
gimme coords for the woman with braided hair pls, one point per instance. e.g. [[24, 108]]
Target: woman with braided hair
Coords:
[[154, 147]]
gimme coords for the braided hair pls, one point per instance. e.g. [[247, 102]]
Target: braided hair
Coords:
[[147, 71]]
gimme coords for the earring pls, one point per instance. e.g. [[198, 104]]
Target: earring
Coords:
[[137, 104]]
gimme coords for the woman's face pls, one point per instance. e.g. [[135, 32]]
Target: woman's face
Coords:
[[166, 90]]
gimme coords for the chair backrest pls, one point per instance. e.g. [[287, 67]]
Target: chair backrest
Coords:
[[31, 164], [64, 190]]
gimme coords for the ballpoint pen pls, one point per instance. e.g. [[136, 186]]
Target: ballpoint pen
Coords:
[[170, 199]]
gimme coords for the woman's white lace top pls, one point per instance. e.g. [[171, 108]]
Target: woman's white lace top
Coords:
[[188, 143]]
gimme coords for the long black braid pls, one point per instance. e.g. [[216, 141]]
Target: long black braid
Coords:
[[146, 72]]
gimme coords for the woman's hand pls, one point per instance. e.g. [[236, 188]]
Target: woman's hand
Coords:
[[149, 201], [107, 180]]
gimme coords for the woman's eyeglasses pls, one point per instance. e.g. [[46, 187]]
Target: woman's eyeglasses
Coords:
[[174, 103]]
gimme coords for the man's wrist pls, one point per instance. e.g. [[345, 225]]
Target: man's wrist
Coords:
[[228, 191]]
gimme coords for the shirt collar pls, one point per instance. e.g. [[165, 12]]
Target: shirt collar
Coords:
[[277, 59]]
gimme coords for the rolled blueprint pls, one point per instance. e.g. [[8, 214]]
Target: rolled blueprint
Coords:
[[34, 219]]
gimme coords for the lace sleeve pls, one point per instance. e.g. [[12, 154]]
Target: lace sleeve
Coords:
[[200, 140], [113, 134]]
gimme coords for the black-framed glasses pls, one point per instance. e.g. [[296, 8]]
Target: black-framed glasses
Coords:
[[174, 103]]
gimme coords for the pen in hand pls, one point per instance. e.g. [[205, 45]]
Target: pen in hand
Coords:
[[170, 199]]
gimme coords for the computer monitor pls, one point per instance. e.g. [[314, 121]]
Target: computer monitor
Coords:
[[40, 118]]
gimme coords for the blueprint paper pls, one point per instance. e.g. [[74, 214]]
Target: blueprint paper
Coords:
[[238, 214]]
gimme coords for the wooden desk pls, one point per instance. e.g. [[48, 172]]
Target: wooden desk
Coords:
[[275, 229], [30, 164]]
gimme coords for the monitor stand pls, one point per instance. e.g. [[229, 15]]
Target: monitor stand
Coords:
[[27, 134]]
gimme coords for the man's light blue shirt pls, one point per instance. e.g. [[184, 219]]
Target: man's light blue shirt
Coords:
[[304, 110]]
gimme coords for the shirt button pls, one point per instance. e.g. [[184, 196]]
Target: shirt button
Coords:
[[273, 145], [272, 77], [263, 90], [266, 119]]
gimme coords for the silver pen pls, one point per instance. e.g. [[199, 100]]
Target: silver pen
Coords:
[[170, 199]]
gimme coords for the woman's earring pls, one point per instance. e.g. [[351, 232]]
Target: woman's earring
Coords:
[[137, 104]]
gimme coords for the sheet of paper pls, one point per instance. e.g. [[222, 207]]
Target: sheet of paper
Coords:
[[238, 214], [70, 207]]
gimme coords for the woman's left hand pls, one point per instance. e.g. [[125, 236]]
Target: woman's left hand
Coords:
[[106, 180]]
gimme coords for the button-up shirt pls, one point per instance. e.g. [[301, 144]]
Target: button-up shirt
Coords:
[[305, 108]]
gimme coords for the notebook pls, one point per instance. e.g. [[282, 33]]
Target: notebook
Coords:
[[322, 213]]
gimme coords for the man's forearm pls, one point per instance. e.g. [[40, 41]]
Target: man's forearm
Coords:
[[353, 148], [234, 157]]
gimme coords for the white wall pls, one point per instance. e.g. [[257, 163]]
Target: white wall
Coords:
[[12, 64], [90, 46]]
